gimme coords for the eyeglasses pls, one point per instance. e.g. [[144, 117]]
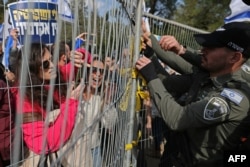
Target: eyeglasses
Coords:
[[95, 69], [46, 64]]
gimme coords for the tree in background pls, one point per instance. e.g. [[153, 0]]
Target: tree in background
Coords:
[[202, 14], [162, 8], [2, 7]]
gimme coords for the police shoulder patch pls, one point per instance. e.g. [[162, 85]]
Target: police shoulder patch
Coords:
[[216, 108]]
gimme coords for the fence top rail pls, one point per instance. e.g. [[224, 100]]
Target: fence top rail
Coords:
[[174, 23]]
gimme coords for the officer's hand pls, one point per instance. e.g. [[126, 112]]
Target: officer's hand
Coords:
[[169, 43], [146, 68]]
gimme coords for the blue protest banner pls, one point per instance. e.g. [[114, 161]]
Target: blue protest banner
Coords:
[[37, 20]]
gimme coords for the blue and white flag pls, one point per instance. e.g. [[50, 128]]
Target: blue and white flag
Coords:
[[6, 54], [64, 10], [239, 12]]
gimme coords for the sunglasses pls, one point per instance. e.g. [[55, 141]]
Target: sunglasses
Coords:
[[46, 64], [95, 69]]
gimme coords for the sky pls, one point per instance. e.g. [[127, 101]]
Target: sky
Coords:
[[103, 5]]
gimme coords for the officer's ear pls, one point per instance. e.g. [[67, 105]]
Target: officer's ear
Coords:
[[236, 57]]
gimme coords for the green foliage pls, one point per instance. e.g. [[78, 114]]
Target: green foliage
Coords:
[[2, 8], [202, 14], [1, 12], [163, 8]]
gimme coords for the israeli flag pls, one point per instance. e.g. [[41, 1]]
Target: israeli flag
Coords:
[[239, 12], [6, 54], [64, 10]]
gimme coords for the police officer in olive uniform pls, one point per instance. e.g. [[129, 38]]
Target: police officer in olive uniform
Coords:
[[214, 114]]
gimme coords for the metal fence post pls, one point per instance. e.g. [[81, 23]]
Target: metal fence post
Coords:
[[136, 52]]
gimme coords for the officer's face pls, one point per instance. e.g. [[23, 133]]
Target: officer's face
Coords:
[[216, 60]]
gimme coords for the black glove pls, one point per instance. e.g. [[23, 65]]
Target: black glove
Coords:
[[148, 52], [148, 72]]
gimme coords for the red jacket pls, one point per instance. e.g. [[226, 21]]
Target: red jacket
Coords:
[[67, 70], [55, 134]]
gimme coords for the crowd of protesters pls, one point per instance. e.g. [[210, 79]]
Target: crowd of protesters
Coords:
[[57, 104]]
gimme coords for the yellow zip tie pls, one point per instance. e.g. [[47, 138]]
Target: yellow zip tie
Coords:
[[140, 95], [134, 73], [126, 96], [124, 71], [134, 142]]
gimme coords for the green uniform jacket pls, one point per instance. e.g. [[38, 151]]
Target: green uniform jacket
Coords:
[[215, 118], [171, 59], [188, 62], [214, 121]]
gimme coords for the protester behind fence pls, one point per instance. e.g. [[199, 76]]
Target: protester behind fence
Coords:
[[86, 151], [81, 41], [7, 118], [155, 127], [110, 62], [42, 134], [10, 61], [63, 56], [124, 61], [209, 122], [155, 122], [65, 67], [110, 115]]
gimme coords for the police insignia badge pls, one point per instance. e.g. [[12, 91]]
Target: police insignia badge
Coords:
[[215, 108]]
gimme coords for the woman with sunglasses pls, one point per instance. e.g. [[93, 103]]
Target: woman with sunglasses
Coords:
[[86, 151], [41, 135]]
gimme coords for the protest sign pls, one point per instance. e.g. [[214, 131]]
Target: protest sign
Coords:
[[36, 20]]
